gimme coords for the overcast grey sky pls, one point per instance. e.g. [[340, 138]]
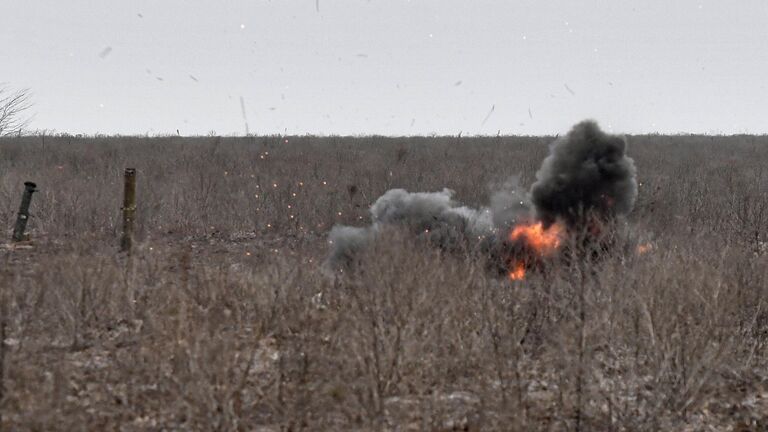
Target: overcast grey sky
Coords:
[[393, 67]]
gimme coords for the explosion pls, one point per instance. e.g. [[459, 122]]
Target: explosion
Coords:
[[586, 181], [543, 241], [535, 240]]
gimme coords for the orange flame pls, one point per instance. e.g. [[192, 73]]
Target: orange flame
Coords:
[[518, 273], [542, 240]]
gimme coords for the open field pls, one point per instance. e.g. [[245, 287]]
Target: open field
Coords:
[[222, 319]]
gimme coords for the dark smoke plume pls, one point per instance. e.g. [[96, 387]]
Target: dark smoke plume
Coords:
[[585, 174]]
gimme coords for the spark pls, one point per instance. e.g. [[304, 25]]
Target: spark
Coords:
[[242, 26]]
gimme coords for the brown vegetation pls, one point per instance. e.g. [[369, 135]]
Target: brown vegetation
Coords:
[[222, 320]]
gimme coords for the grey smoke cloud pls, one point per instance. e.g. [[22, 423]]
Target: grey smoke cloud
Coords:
[[431, 216]]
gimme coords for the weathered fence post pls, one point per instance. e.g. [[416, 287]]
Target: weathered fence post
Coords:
[[23, 217], [129, 209]]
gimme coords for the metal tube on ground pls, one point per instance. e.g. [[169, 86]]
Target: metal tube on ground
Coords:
[[23, 217]]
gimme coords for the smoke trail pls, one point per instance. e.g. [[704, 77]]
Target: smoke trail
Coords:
[[586, 173]]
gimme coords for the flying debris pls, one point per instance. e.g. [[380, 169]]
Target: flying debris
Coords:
[[317, 5], [140, 15], [361, 55], [569, 90], [105, 52], [413, 122], [493, 107], [245, 118], [192, 77], [458, 83], [530, 114]]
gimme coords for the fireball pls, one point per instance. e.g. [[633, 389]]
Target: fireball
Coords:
[[536, 239], [544, 241]]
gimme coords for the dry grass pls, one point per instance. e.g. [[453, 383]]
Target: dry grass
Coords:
[[222, 319]]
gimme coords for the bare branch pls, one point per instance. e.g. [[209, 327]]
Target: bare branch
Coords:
[[13, 107]]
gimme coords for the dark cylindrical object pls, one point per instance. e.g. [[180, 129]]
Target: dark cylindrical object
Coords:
[[23, 217], [129, 209]]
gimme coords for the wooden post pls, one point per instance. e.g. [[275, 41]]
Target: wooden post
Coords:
[[129, 209], [23, 217]]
